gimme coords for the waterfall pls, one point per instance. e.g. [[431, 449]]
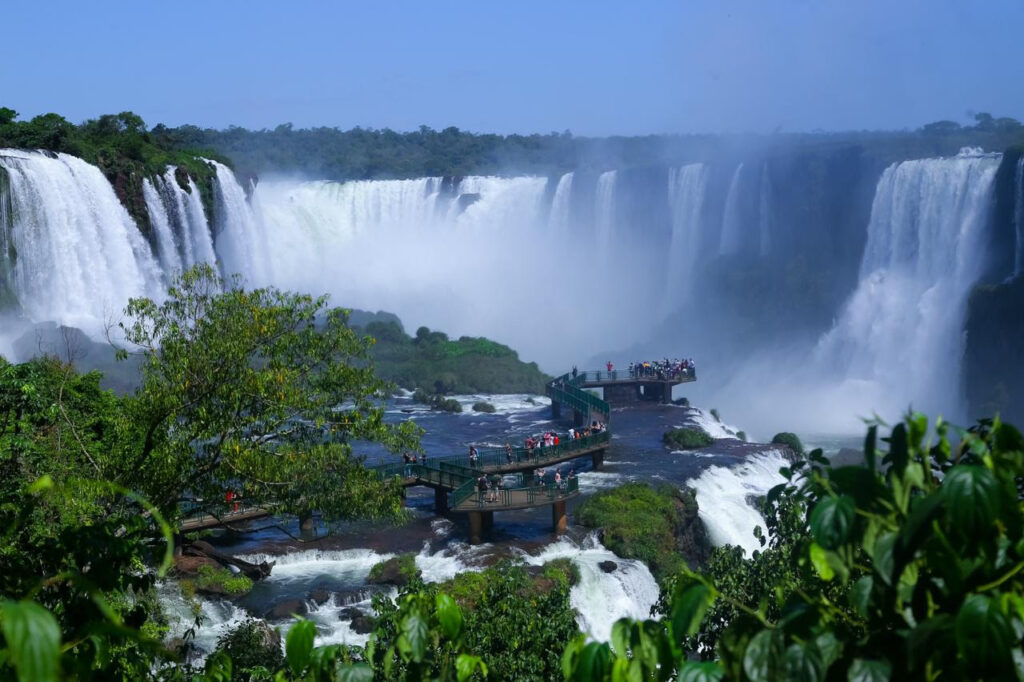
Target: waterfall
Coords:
[[558, 220], [686, 193], [765, 211], [899, 337], [1018, 217], [604, 213], [78, 254], [241, 242], [732, 220]]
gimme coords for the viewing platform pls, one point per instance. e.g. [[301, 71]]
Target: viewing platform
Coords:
[[620, 387]]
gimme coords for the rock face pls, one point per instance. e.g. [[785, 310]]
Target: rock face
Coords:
[[287, 609], [608, 566], [188, 566], [691, 536]]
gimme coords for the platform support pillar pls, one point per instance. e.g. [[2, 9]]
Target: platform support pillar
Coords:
[[440, 501], [597, 459], [558, 518], [475, 527]]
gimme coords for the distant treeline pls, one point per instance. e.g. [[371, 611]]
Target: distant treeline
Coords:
[[362, 153]]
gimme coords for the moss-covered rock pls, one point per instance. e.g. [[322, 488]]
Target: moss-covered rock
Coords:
[[657, 526], [689, 438], [397, 570], [483, 406], [212, 579]]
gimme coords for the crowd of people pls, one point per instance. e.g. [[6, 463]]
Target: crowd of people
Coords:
[[664, 369]]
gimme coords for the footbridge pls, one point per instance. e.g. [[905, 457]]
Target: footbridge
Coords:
[[455, 478]]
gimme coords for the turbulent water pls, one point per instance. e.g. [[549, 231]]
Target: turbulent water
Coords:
[[899, 340]]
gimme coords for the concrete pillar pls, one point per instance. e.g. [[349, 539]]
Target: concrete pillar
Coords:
[[487, 520], [597, 459], [556, 409], [475, 527], [558, 518], [440, 501]]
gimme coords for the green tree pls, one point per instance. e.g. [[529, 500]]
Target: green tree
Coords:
[[257, 391]]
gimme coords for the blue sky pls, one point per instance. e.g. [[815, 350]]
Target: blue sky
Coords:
[[595, 68]]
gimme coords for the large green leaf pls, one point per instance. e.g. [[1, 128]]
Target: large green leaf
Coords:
[[984, 636], [863, 670], [594, 660], [33, 637], [831, 521], [466, 665], [688, 609], [931, 639], [700, 672], [803, 663], [763, 658], [973, 500], [449, 615], [299, 645], [413, 640]]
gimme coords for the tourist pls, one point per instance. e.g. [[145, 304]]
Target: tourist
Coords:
[[558, 479], [609, 365], [508, 451], [473, 456]]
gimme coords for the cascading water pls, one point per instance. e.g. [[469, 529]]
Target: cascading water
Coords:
[[898, 339], [604, 212], [725, 494], [79, 255], [558, 220], [240, 241], [1018, 217], [686, 191], [732, 221], [765, 212]]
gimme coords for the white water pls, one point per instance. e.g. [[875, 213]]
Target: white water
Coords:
[[558, 220], [241, 241], [724, 494], [80, 256], [732, 221], [686, 191], [604, 215], [899, 337], [602, 598], [765, 211], [1018, 217]]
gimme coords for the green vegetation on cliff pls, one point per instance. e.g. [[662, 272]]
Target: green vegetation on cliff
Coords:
[[437, 365], [119, 145]]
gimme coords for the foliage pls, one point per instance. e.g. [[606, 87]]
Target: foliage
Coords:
[[483, 406], [221, 580], [432, 362], [403, 564], [437, 401], [909, 567], [714, 413], [241, 392], [511, 621], [638, 522], [687, 438], [790, 440], [742, 435], [254, 649]]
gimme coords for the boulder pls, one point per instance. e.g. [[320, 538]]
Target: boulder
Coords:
[[319, 597], [287, 609], [358, 621], [188, 566], [608, 566]]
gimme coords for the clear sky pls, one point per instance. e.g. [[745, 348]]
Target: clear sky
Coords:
[[596, 68]]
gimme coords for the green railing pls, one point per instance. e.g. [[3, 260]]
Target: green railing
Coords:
[[596, 375], [505, 497], [565, 390]]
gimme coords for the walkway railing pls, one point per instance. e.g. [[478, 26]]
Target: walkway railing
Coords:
[[512, 496], [565, 390], [603, 375]]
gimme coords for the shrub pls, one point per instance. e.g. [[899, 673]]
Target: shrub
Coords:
[[742, 435], [638, 522], [687, 439], [790, 440], [447, 405], [714, 413], [483, 406], [254, 648]]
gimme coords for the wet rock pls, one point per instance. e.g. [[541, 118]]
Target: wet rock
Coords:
[[608, 566], [287, 609], [358, 621], [396, 571], [188, 566], [319, 597]]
